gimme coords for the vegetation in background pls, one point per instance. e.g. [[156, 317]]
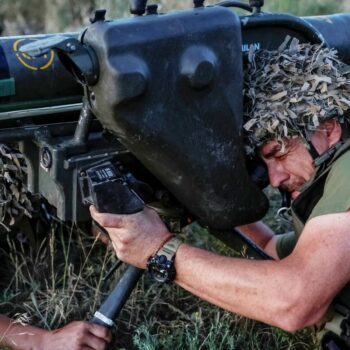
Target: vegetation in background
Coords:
[[58, 277], [49, 16], [306, 7]]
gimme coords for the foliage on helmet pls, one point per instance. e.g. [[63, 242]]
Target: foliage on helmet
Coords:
[[290, 91]]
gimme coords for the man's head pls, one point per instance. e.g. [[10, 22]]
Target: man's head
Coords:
[[295, 99], [289, 162]]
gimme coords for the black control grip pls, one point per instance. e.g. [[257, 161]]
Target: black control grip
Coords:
[[109, 190]]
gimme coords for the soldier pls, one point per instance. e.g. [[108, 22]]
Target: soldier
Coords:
[[296, 116]]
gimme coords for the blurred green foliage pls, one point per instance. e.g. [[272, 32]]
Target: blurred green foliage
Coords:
[[305, 7], [47, 16]]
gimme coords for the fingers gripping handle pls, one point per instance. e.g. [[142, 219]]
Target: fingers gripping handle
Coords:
[[112, 306], [108, 189]]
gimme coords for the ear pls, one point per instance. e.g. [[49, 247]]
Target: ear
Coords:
[[333, 131]]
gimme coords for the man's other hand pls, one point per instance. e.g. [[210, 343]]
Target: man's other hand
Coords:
[[135, 237], [79, 335]]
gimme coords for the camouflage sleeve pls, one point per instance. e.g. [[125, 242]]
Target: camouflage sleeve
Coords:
[[336, 194], [285, 244]]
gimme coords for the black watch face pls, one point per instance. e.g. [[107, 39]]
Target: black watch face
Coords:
[[161, 269]]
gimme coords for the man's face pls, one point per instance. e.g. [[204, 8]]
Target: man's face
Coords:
[[289, 164]]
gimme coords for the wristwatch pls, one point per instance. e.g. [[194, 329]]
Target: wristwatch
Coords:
[[160, 266]]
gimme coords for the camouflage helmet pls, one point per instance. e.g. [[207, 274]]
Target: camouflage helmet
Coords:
[[291, 90]]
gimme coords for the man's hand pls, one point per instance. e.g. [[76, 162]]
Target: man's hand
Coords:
[[78, 335], [102, 237], [135, 237]]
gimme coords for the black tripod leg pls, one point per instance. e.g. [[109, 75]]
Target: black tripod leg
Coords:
[[112, 306]]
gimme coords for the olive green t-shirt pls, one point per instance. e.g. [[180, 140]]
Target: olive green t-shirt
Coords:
[[335, 199]]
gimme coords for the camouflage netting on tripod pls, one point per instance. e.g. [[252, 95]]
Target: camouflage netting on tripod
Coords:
[[14, 197], [291, 90]]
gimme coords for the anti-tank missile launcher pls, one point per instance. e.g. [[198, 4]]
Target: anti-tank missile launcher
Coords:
[[164, 90]]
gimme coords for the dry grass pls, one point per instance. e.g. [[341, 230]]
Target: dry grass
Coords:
[[59, 278]]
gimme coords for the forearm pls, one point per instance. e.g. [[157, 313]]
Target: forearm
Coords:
[[262, 235], [291, 293], [262, 290], [19, 337], [259, 232]]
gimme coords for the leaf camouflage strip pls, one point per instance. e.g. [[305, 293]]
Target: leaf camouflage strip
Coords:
[[291, 90], [15, 200]]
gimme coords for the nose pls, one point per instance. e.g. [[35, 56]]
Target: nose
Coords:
[[277, 175]]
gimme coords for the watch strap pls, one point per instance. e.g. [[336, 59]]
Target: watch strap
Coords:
[[169, 248]]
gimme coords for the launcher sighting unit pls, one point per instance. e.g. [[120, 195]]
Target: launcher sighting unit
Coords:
[[159, 94]]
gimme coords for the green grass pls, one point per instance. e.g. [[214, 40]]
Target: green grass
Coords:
[[59, 278]]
